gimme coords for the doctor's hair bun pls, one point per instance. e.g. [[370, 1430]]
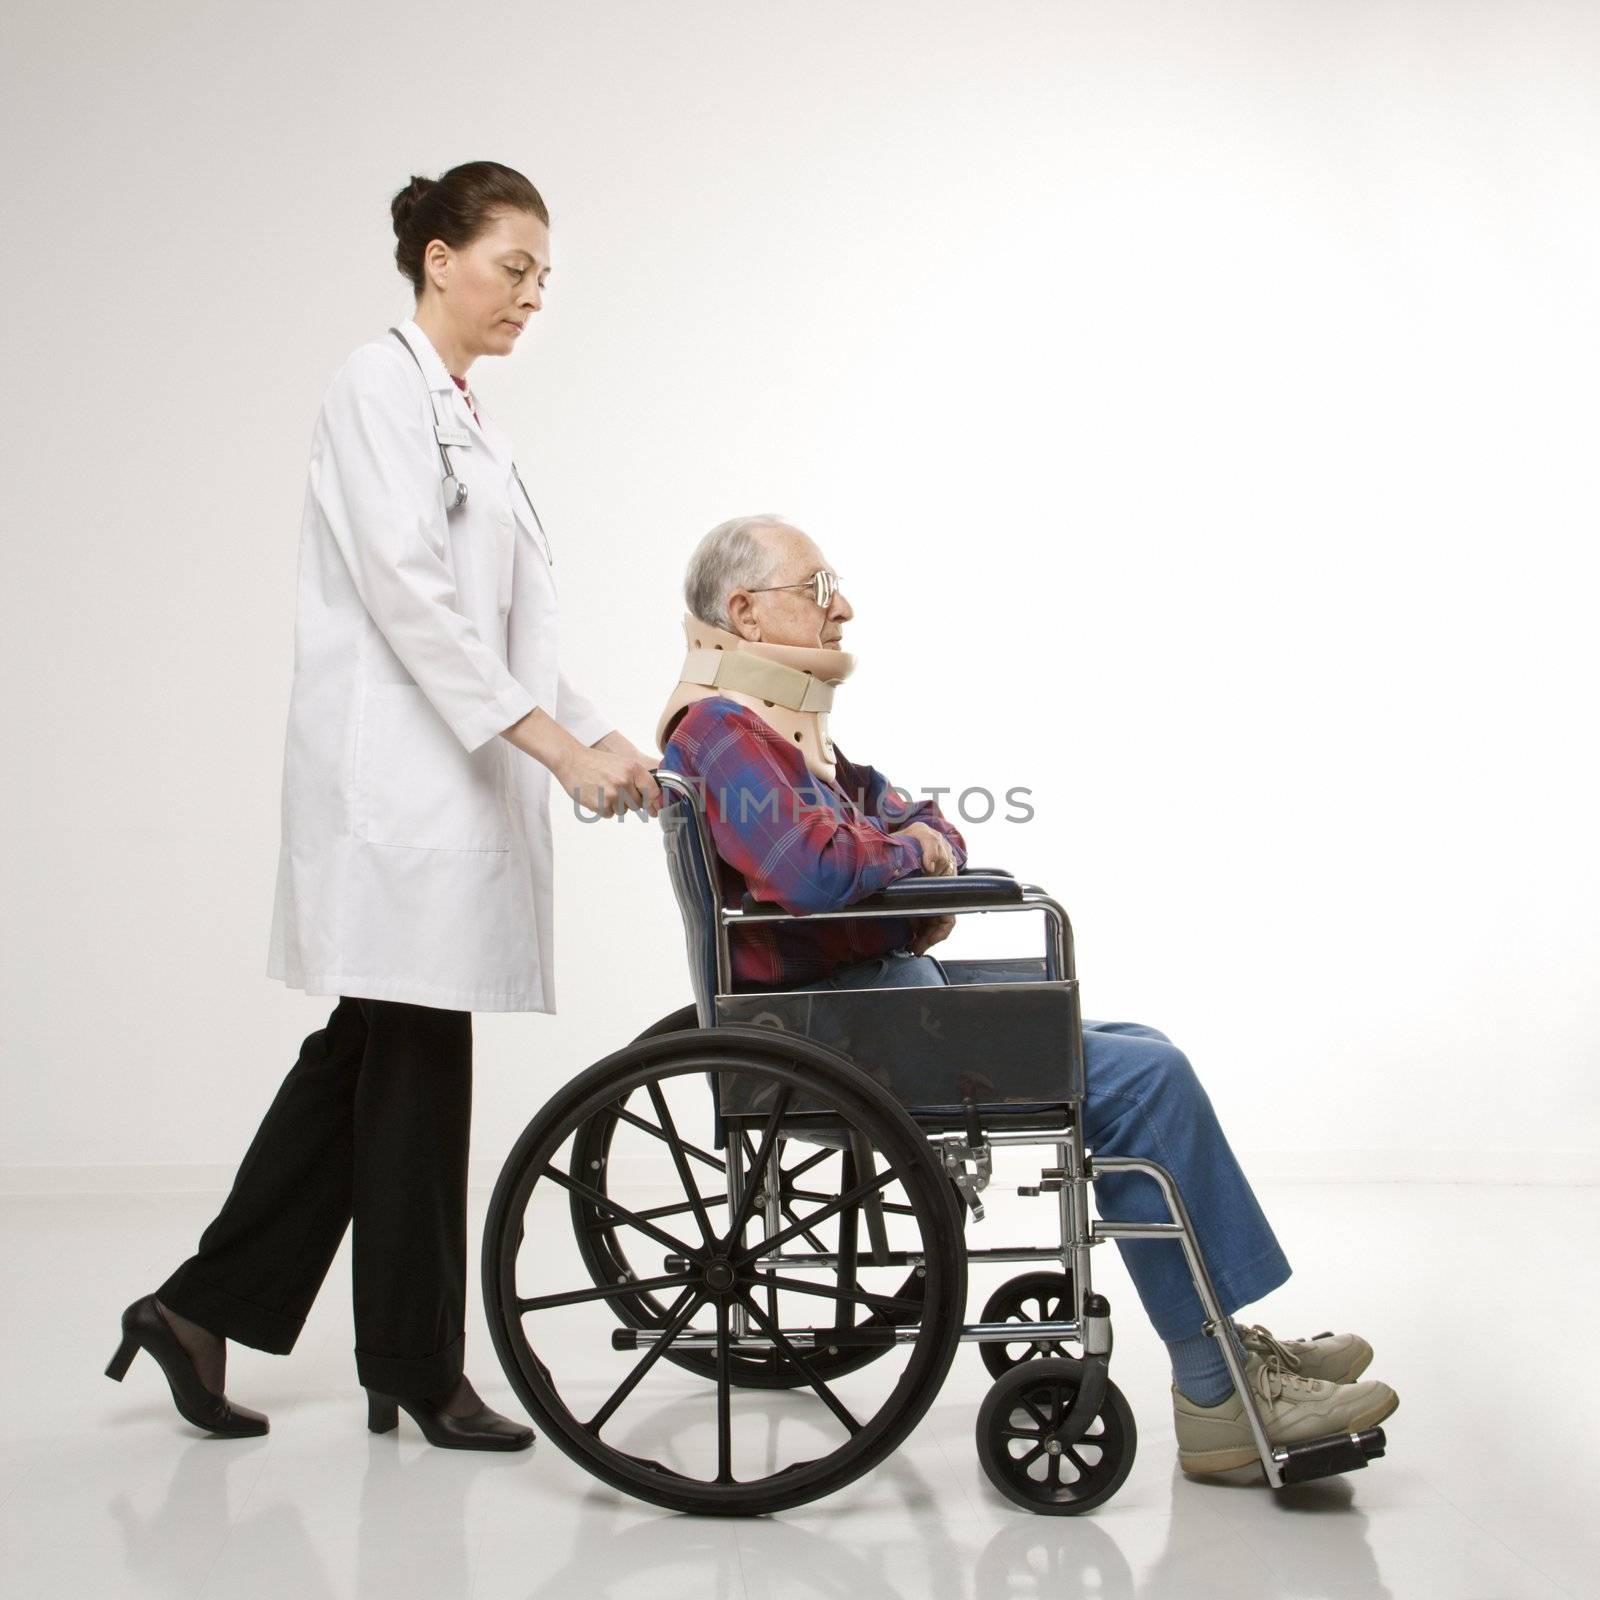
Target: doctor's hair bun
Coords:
[[404, 203], [456, 207]]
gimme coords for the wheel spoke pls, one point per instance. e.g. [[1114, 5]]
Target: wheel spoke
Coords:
[[892, 1207], [769, 1139], [806, 1165], [678, 1210], [805, 1233], [632, 1218], [655, 1133], [772, 1358], [606, 1291], [673, 1328], [1032, 1455], [724, 1399], [871, 1186], [857, 1295], [828, 1397], [690, 1188], [849, 1242], [1060, 1404]]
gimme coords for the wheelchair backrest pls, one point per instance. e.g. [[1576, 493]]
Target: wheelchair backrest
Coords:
[[692, 864]]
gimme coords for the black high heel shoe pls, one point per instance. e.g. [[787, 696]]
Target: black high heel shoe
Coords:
[[482, 1429], [143, 1327]]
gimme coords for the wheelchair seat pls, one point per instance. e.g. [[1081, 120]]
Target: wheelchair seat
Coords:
[[1002, 1040]]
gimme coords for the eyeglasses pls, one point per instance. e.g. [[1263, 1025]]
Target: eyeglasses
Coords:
[[823, 584]]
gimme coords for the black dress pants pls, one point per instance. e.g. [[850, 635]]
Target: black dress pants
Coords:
[[370, 1128]]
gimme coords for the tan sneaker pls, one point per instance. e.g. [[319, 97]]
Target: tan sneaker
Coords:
[[1218, 1438], [1335, 1357]]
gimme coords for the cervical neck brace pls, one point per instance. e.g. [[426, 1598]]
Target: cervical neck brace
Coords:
[[790, 687]]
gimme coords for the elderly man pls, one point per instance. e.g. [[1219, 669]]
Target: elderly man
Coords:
[[796, 823]]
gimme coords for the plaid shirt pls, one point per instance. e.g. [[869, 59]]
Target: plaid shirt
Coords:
[[787, 837]]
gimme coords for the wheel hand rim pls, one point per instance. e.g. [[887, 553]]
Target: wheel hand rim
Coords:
[[740, 1279]]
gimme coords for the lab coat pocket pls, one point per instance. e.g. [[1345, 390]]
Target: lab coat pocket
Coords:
[[414, 784]]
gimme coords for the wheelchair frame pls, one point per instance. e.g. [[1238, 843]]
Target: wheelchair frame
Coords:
[[981, 892]]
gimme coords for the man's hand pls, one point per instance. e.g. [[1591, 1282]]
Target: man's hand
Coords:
[[930, 930], [938, 860]]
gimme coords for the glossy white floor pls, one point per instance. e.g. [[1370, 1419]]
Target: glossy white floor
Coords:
[[1480, 1302]]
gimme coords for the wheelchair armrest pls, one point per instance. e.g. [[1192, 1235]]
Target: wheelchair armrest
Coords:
[[965, 889]]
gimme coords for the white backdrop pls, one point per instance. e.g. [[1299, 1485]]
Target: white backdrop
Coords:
[[1199, 401]]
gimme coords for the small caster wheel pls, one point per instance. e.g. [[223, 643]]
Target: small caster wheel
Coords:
[[1034, 1297], [1026, 1457]]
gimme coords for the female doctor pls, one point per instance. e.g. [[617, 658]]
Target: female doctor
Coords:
[[414, 878]]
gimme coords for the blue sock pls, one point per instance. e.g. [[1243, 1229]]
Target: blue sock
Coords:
[[1199, 1370]]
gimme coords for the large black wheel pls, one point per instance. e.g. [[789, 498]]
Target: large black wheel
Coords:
[[1032, 1297], [667, 1436], [1030, 1455], [805, 1174]]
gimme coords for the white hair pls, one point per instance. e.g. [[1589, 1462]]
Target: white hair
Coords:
[[730, 557]]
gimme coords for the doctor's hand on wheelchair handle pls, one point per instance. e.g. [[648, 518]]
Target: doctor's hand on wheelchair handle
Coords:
[[610, 782]]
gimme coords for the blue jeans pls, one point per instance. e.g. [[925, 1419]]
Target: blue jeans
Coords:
[[1142, 1098]]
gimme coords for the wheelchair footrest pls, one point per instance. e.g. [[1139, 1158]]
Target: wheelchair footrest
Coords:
[[1322, 1458]]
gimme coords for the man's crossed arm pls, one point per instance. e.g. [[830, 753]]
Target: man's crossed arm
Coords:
[[769, 821]]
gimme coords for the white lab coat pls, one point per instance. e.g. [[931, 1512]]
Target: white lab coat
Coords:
[[416, 861]]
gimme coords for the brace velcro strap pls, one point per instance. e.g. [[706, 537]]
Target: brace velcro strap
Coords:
[[756, 675]]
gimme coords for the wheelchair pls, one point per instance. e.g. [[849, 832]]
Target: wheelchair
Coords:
[[819, 1155]]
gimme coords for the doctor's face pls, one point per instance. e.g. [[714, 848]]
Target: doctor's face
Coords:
[[492, 287]]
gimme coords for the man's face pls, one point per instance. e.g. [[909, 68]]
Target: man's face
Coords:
[[785, 615]]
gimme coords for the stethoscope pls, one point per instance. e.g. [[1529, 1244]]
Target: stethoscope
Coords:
[[445, 434]]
